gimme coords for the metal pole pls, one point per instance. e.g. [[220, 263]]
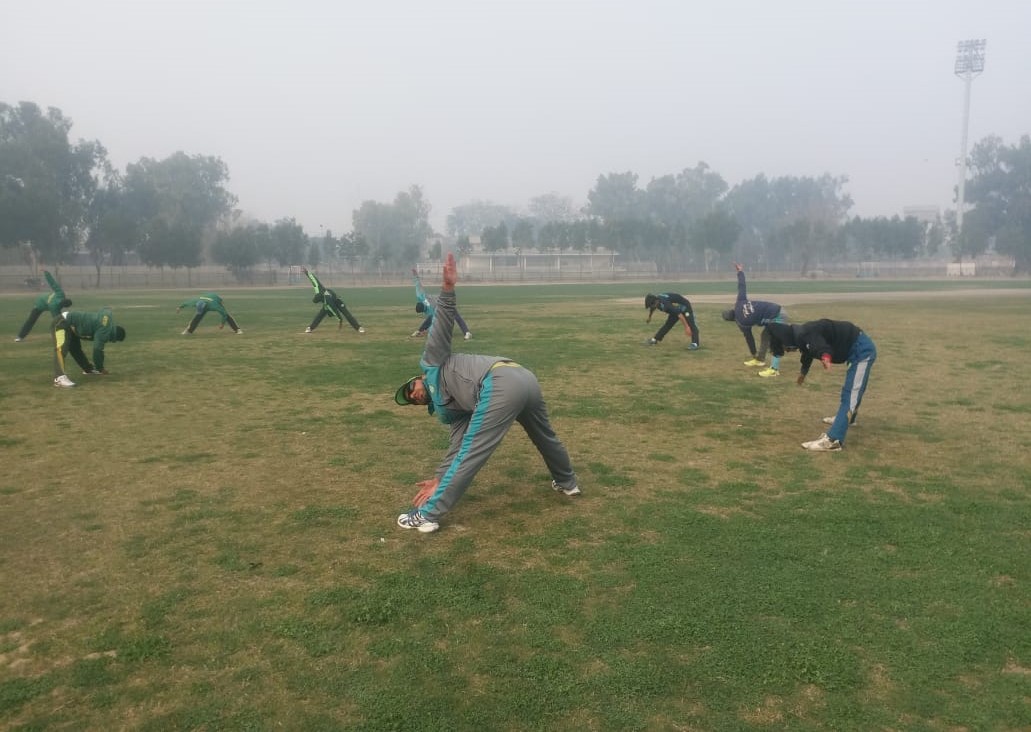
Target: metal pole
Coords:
[[969, 63], [960, 202]]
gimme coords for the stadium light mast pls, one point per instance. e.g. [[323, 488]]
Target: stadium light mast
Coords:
[[969, 65]]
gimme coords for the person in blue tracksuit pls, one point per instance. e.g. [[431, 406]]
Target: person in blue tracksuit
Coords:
[[478, 397], [747, 313], [830, 341], [424, 305], [677, 308]]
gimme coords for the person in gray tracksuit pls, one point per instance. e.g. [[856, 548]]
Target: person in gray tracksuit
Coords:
[[479, 397]]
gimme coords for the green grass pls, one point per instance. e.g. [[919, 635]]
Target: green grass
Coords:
[[205, 539]]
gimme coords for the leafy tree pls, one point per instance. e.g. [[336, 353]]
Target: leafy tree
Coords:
[[397, 232], [684, 198], [495, 238], [113, 227], [1000, 191], [471, 218], [552, 207], [240, 249], [352, 247], [178, 199], [615, 197], [884, 237], [769, 209], [714, 234], [46, 182], [523, 234], [289, 243]]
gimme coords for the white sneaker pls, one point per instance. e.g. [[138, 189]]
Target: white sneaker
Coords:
[[186, 332], [361, 330], [239, 331], [63, 380], [469, 335], [415, 520], [822, 444], [18, 340], [574, 491], [307, 330], [415, 334], [830, 420]]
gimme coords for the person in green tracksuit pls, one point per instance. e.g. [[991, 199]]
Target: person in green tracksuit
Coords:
[[331, 305], [479, 398], [202, 304], [73, 327], [53, 303]]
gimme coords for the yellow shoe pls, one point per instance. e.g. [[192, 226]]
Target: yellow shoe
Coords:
[[755, 362], [767, 373]]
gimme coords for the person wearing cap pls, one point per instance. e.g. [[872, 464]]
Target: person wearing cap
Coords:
[[331, 305], [71, 329], [52, 302], [202, 304], [677, 307], [479, 397], [830, 341], [423, 304], [747, 313]]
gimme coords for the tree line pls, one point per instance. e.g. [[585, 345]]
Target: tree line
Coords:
[[58, 197]]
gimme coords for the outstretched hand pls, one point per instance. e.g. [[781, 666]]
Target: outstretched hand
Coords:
[[450, 272], [426, 489], [738, 267]]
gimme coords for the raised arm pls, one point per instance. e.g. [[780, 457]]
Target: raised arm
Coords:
[[314, 281], [438, 340]]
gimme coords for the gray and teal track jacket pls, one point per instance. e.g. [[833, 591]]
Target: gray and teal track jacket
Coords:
[[452, 379]]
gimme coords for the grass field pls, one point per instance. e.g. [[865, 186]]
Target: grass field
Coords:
[[204, 539]]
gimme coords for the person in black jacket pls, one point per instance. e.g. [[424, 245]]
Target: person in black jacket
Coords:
[[677, 307], [331, 305], [830, 341]]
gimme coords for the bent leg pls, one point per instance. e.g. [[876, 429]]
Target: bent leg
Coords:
[[671, 320]]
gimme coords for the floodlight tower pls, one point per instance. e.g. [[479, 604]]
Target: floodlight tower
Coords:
[[969, 64]]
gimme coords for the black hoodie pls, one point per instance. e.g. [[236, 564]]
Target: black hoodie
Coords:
[[814, 339]]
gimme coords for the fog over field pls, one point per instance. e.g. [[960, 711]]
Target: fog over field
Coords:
[[316, 106]]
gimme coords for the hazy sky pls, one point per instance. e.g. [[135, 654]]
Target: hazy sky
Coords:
[[318, 105]]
